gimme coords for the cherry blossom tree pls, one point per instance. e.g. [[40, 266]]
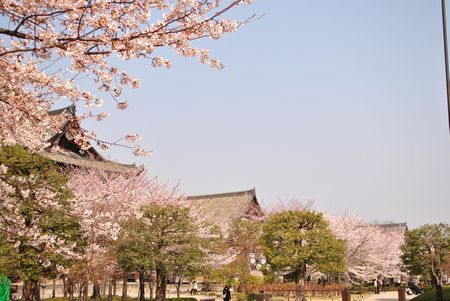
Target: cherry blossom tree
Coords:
[[293, 204], [47, 46], [37, 229], [104, 200], [371, 250]]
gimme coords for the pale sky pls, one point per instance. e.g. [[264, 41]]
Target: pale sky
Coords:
[[340, 102]]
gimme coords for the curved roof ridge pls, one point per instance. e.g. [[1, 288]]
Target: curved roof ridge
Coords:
[[225, 194], [69, 109]]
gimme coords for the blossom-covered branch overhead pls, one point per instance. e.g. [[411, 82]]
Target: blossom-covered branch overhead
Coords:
[[84, 36]]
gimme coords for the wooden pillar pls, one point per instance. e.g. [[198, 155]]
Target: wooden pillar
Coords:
[[346, 294], [401, 294]]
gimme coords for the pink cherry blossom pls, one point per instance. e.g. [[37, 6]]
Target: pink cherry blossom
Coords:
[[46, 46]]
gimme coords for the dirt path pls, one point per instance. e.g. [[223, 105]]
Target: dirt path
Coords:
[[384, 296]]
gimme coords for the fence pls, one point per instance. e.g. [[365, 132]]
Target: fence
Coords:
[[288, 290], [46, 289]]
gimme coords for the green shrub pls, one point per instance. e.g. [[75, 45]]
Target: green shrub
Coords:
[[253, 279], [241, 297], [245, 297], [430, 295]]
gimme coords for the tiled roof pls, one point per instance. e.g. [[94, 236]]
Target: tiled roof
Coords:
[[74, 160], [73, 155], [224, 208], [69, 110], [394, 226]]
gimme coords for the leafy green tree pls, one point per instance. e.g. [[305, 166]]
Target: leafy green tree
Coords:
[[426, 249], [296, 240], [38, 232], [163, 239]]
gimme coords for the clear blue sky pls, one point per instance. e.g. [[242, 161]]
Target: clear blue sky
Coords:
[[340, 102]]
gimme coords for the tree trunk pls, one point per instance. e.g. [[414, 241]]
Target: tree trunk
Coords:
[[114, 285], [150, 286], [178, 285], [96, 290], [31, 290], [37, 290], [124, 287], [161, 284], [141, 285], [81, 291], [53, 288], [70, 290], [86, 288], [300, 287], [110, 294], [65, 288]]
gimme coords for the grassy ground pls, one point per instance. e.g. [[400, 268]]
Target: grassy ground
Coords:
[[431, 296]]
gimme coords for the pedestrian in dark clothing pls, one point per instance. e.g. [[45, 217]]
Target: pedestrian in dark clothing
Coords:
[[226, 293]]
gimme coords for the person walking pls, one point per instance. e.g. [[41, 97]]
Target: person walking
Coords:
[[376, 288], [194, 287], [226, 293]]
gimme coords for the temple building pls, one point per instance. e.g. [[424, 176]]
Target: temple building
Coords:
[[224, 208], [65, 151]]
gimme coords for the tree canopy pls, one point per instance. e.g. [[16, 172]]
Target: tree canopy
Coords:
[[296, 240], [426, 249], [164, 238]]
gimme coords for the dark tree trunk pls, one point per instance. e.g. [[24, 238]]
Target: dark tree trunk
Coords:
[[53, 288], [27, 291], [114, 285], [65, 288], [96, 290], [124, 287], [31, 290], [161, 284], [141, 285], [300, 287], [110, 294], [70, 290]]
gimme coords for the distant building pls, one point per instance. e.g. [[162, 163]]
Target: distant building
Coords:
[[64, 150], [224, 208], [401, 227]]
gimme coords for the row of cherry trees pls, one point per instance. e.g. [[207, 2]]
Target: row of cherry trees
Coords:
[[71, 224], [298, 243], [65, 223]]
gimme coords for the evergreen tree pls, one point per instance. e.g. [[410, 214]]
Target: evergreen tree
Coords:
[[296, 240], [164, 239]]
